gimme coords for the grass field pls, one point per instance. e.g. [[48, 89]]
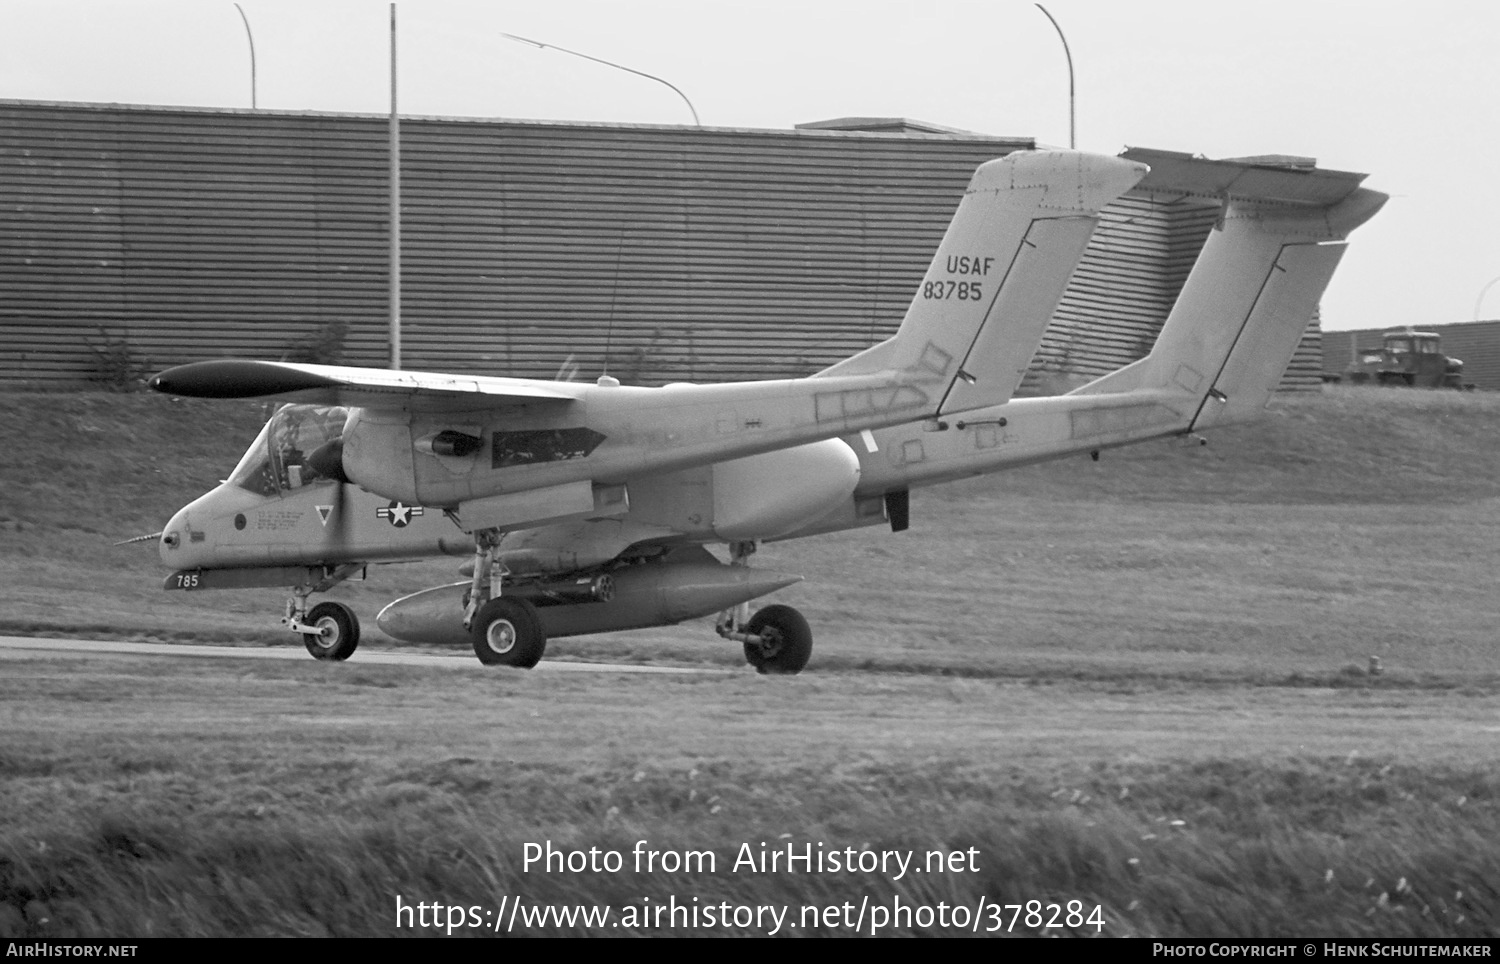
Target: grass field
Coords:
[[1139, 684]]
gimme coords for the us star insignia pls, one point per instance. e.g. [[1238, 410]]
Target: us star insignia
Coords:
[[399, 513]]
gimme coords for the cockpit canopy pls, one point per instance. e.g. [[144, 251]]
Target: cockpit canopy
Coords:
[[301, 445]]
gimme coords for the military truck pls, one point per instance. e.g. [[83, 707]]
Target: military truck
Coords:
[[1407, 357]]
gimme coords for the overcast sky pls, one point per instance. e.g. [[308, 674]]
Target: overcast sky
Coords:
[[1408, 93]]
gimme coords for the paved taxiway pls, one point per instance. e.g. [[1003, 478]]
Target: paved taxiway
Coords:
[[25, 647]]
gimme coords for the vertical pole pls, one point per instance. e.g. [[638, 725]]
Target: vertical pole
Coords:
[[1072, 115], [250, 37], [1479, 302], [395, 269]]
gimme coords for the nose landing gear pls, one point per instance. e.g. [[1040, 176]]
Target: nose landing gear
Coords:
[[330, 630], [338, 631]]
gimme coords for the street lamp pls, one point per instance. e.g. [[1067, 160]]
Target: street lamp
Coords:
[[394, 273], [1072, 125], [251, 37], [607, 63], [1479, 302]]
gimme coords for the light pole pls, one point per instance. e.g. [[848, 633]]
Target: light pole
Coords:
[[607, 63], [251, 37], [1072, 123], [1479, 302], [395, 240]]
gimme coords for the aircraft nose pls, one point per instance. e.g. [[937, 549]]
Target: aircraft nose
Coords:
[[196, 536], [173, 535]]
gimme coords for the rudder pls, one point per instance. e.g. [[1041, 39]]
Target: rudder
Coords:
[[1003, 265], [1244, 307]]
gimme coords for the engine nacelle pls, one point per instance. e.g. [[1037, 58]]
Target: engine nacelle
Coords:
[[377, 453], [770, 495]]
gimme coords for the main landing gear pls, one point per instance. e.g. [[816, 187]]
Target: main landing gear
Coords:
[[330, 630], [777, 638], [505, 630]]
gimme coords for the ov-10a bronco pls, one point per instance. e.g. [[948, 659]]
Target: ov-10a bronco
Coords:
[[588, 507]]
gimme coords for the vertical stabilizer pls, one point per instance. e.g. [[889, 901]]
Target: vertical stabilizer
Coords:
[[1244, 307], [1003, 265], [1265, 345]]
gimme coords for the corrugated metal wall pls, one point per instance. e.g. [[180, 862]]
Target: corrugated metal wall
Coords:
[[1476, 343], [146, 237], [1124, 287]]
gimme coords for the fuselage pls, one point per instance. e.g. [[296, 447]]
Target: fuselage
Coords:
[[273, 511]]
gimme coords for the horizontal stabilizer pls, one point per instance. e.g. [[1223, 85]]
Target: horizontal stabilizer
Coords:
[[1277, 179], [338, 385]]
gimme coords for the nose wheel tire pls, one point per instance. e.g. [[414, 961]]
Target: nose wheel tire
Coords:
[[785, 640], [507, 632], [338, 631]]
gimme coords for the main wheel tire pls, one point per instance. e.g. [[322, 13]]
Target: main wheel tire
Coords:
[[338, 631], [786, 640], [507, 632]]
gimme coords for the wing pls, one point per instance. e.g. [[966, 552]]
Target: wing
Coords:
[[359, 387]]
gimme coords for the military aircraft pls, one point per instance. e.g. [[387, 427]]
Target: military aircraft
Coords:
[[589, 507]]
